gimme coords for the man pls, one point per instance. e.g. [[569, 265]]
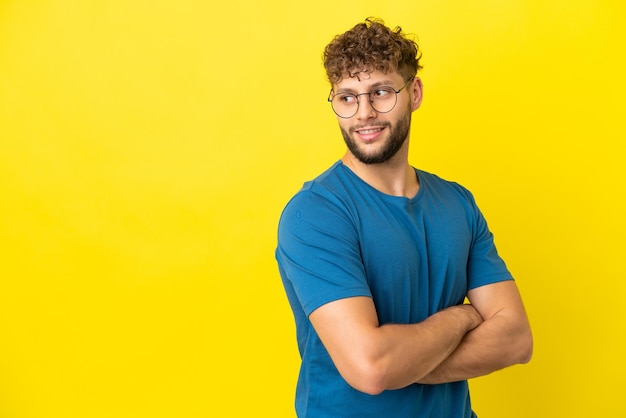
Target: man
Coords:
[[377, 258]]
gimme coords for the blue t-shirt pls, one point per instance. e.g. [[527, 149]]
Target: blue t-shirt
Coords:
[[338, 237]]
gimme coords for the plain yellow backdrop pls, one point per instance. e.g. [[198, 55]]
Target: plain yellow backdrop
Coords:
[[148, 147]]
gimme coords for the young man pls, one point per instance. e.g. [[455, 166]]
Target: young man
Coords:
[[377, 258]]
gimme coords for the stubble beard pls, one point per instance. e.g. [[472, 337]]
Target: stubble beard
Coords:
[[397, 137]]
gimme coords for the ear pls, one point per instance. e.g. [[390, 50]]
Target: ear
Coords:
[[417, 92]]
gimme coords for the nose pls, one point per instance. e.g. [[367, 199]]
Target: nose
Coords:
[[365, 109]]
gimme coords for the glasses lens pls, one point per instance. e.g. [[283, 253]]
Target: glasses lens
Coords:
[[383, 99], [345, 105]]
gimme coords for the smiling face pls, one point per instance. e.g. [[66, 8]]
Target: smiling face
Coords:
[[374, 137]]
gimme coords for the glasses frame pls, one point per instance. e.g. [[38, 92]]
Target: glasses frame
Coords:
[[331, 95]]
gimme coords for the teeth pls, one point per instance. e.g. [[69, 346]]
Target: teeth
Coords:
[[369, 131]]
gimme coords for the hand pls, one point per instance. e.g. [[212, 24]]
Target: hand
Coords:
[[470, 315]]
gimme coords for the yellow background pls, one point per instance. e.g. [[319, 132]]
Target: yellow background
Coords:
[[148, 147]]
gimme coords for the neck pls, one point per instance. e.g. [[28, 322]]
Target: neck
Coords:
[[394, 177]]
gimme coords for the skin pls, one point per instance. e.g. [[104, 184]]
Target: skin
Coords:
[[457, 343], [394, 176]]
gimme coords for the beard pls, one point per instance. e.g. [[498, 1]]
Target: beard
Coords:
[[397, 136]]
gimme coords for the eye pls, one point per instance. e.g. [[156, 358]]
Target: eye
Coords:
[[345, 98], [381, 93]]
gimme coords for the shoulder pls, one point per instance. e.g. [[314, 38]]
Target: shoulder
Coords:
[[437, 185], [329, 190], [325, 199]]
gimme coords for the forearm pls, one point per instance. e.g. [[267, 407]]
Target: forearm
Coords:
[[372, 358], [497, 343], [407, 353]]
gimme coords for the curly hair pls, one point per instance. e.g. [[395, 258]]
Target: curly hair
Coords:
[[371, 46]]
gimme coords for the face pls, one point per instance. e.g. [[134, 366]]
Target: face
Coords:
[[372, 137]]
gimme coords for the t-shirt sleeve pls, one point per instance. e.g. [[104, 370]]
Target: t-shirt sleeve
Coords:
[[484, 265], [318, 251]]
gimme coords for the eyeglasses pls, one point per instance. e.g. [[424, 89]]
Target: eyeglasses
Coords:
[[382, 99]]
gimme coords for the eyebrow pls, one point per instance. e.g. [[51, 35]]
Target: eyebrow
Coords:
[[373, 86]]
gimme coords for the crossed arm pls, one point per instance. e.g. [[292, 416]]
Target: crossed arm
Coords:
[[457, 343]]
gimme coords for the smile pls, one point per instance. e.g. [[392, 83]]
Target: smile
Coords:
[[369, 131]]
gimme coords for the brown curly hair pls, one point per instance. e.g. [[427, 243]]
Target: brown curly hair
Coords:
[[371, 46]]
